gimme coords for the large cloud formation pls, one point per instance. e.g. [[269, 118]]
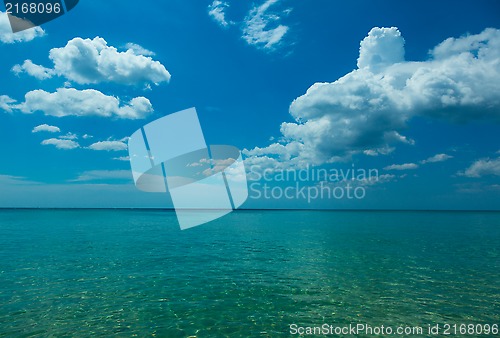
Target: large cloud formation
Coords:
[[87, 61], [366, 110]]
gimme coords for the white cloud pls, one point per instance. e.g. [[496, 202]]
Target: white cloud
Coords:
[[385, 150], [217, 10], [261, 28], [139, 50], [28, 67], [99, 175], [275, 155], [109, 146], [6, 35], [87, 61], [6, 103], [88, 102], [382, 47], [87, 136], [437, 158], [61, 144], [69, 136], [405, 166], [368, 109], [483, 167], [47, 128], [122, 158]]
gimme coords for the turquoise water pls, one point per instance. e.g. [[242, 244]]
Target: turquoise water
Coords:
[[250, 274]]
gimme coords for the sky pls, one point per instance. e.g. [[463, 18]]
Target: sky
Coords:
[[406, 90]]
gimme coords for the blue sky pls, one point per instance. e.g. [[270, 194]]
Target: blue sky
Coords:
[[419, 102]]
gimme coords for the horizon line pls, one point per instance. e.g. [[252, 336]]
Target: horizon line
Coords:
[[248, 209]]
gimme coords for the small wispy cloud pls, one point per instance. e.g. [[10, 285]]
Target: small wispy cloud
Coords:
[[69, 136], [217, 11], [437, 158], [121, 158], [6, 103], [405, 166], [138, 49], [262, 29], [99, 175], [61, 144]]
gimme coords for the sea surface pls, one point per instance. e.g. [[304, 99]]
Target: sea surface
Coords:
[[126, 273]]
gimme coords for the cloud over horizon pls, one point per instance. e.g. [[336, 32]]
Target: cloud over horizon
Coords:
[[368, 109]]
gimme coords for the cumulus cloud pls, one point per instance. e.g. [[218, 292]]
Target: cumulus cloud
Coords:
[[483, 167], [405, 166], [217, 11], [261, 28], [87, 61], [109, 146], [47, 128], [367, 110], [437, 158], [61, 144], [276, 155], [382, 47], [88, 102], [6, 35], [39, 72]]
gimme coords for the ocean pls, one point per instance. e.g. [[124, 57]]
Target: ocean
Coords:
[[250, 274]]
